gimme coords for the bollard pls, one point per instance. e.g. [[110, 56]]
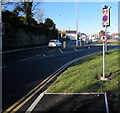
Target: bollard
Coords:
[[64, 44]]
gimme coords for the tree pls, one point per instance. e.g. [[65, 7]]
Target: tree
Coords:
[[39, 14], [26, 7], [50, 24], [101, 33]]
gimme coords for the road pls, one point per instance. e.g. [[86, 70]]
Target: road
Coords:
[[23, 70]]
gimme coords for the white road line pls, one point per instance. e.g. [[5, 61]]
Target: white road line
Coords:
[[75, 93], [30, 109], [89, 47], [23, 49], [29, 58], [44, 55], [106, 103], [75, 49], [60, 50]]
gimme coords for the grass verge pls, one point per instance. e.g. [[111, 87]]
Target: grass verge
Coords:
[[82, 77], [108, 43]]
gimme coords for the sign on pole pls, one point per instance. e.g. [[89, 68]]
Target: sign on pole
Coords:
[[103, 38], [106, 16]]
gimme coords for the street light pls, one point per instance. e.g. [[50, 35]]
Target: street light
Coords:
[[58, 29], [76, 22]]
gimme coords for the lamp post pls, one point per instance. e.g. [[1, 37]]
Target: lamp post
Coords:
[[58, 30], [76, 22]]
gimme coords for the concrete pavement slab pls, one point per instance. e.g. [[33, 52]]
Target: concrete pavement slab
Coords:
[[63, 103]]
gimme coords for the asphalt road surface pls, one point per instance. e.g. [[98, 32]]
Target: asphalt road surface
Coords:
[[23, 70]]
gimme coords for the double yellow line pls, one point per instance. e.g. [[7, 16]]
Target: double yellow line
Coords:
[[15, 107], [19, 101]]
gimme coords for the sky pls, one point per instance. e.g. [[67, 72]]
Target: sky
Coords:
[[63, 15], [89, 16]]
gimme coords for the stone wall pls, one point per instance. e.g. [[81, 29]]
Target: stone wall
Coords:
[[18, 38]]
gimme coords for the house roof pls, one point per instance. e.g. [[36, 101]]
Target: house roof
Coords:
[[70, 32]]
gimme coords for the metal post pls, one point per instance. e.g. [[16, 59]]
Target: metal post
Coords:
[[105, 42], [76, 22], [103, 60], [58, 34], [58, 28], [1, 60]]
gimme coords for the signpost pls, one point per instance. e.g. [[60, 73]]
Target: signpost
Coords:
[[103, 38], [106, 20], [106, 16]]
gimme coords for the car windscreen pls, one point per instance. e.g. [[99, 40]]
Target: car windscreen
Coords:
[[52, 41]]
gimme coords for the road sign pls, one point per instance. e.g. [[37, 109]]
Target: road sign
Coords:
[[103, 38], [106, 16], [105, 11]]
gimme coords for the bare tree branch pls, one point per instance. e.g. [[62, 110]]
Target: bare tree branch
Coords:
[[37, 3]]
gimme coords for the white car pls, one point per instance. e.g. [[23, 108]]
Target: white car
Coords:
[[94, 40], [54, 43]]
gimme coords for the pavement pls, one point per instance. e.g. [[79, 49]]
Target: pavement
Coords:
[[71, 103]]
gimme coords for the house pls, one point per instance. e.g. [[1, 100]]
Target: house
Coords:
[[71, 34]]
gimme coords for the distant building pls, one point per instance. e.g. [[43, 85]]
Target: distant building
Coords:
[[71, 34], [115, 35], [83, 36]]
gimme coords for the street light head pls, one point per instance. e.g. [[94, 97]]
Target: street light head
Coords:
[[103, 5]]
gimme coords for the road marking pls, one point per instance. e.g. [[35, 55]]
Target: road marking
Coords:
[[60, 50], [75, 93], [30, 109], [33, 57], [17, 50], [14, 105], [106, 103], [75, 49], [36, 88], [89, 47], [24, 102], [44, 55]]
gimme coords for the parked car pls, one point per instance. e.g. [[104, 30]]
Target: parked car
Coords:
[[95, 40], [90, 41], [54, 43]]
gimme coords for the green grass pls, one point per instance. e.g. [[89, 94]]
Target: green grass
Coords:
[[82, 77], [108, 43]]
